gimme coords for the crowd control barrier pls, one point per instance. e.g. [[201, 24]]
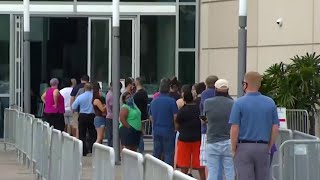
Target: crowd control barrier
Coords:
[[156, 169], [304, 160], [103, 162], [298, 119], [300, 135], [132, 165], [53, 155], [177, 175]]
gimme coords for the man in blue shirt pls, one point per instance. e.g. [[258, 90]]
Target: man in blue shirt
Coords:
[[254, 129], [163, 113], [86, 118]]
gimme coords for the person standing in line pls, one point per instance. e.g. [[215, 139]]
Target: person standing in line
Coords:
[[208, 93], [54, 105], [73, 82], [100, 111], [141, 100], [130, 123], [217, 111], [65, 92], [86, 117], [128, 88], [174, 89], [189, 140], [75, 114], [254, 129], [198, 89], [163, 112]]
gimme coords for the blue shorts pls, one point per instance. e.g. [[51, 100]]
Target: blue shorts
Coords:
[[100, 122]]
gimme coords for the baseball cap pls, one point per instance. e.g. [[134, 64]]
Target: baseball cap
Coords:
[[222, 84]]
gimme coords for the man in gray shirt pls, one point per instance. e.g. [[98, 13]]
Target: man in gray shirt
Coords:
[[217, 111]]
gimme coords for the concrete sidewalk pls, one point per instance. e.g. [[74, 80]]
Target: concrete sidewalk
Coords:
[[10, 169]]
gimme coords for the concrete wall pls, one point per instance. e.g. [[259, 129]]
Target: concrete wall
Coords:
[[267, 42]]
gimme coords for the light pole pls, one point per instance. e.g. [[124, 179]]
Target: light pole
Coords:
[[116, 77], [26, 56], [242, 44]]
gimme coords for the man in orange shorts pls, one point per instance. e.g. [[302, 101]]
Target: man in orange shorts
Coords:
[[189, 140]]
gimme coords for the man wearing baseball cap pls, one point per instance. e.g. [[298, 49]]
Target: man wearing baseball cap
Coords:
[[217, 111]]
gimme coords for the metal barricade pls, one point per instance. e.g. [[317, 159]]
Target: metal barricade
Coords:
[[20, 134], [304, 156], [18, 108], [155, 169], [284, 135], [39, 147], [177, 175], [77, 158], [9, 133], [303, 136], [103, 162], [28, 138], [147, 127], [46, 134], [35, 143], [70, 158], [298, 119], [55, 155], [132, 165]]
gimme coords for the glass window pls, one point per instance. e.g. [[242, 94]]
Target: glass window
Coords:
[[187, 0], [157, 49], [4, 103], [187, 26], [100, 50], [126, 0], [4, 53], [187, 67]]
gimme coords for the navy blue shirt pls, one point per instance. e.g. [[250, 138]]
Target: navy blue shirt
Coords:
[[208, 93], [84, 101], [162, 110], [255, 114]]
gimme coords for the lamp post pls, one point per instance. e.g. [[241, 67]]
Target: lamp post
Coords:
[[242, 44], [116, 77], [26, 56]]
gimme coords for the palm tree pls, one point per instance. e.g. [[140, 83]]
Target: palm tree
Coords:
[[295, 85]]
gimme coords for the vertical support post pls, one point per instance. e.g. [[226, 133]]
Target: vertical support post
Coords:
[[116, 77], [26, 56], [242, 44]]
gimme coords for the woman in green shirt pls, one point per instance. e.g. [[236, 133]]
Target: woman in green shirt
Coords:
[[130, 123]]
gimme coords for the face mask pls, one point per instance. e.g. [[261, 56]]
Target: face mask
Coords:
[[130, 102]]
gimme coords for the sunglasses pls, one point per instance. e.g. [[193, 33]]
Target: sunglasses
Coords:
[[244, 83]]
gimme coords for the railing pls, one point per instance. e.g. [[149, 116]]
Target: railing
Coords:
[[132, 165], [53, 156], [298, 119], [103, 162]]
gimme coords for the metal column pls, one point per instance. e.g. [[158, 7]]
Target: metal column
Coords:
[[242, 44], [26, 57], [116, 77]]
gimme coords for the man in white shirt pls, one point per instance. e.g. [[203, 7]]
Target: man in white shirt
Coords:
[[65, 92]]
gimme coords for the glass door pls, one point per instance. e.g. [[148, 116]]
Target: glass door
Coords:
[[99, 49], [18, 60]]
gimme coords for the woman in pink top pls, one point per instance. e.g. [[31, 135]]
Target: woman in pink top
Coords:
[[54, 106]]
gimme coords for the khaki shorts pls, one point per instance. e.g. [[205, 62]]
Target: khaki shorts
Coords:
[[74, 121]]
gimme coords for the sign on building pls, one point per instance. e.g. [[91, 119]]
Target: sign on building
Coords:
[[282, 115]]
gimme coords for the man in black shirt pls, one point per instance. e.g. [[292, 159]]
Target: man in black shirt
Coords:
[[141, 100]]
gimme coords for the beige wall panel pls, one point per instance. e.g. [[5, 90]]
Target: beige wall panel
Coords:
[[223, 24], [316, 20], [316, 48], [203, 65], [252, 59], [223, 63], [204, 17], [270, 55], [297, 18]]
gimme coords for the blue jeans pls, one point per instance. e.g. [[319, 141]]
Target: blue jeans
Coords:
[[219, 154], [141, 145], [109, 131], [164, 144]]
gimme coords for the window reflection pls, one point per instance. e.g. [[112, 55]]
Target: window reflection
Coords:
[[157, 49], [187, 67], [187, 26]]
